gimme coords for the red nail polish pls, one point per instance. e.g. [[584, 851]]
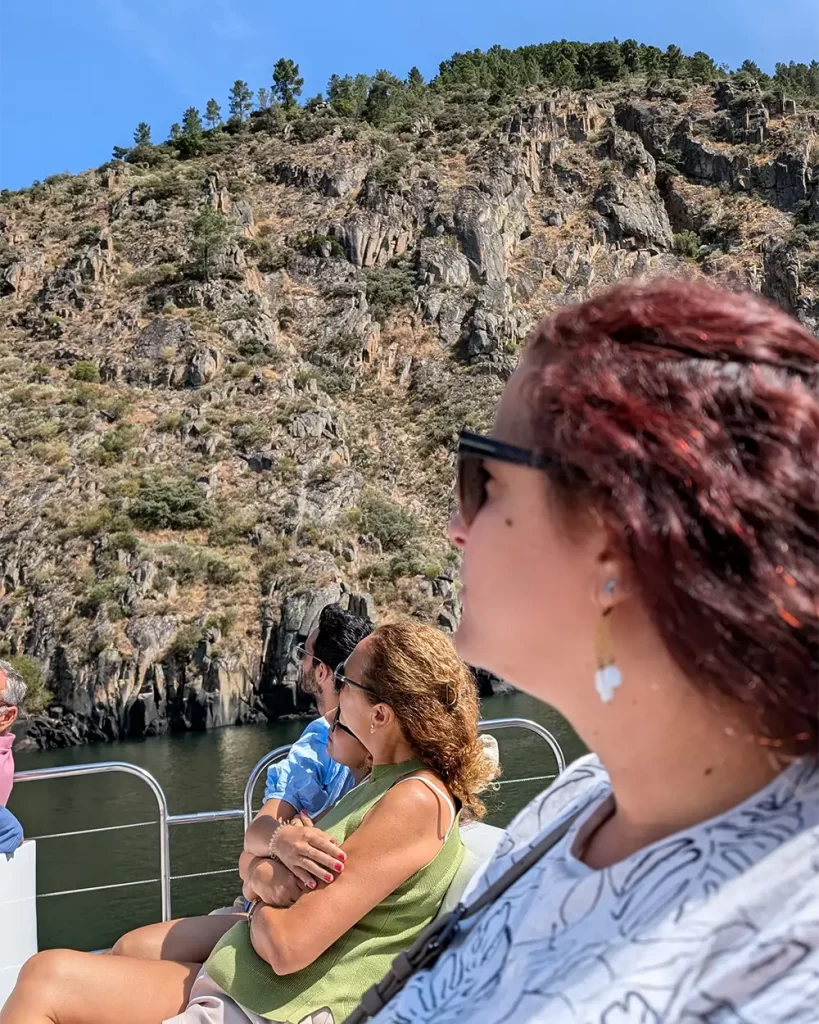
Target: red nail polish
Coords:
[[338, 865], [328, 878], [312, 885]]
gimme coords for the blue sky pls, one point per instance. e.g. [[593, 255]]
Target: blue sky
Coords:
[[77, 75]]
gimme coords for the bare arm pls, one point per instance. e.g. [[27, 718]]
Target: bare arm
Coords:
[[267, 880], [402, 833], [257, 837]]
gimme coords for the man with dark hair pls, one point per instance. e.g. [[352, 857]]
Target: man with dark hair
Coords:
[[308, 780]]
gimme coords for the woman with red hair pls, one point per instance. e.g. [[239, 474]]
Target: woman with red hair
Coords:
[[640, 550]]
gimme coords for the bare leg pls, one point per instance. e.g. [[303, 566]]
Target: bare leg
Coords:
[[188, 940], [62, 986]]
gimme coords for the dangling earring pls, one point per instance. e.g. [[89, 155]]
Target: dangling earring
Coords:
[[372, 728], [608, 676]]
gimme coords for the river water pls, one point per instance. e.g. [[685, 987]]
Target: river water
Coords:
[[199, 772]]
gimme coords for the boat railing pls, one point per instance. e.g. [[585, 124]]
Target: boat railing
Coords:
[[165, 819]]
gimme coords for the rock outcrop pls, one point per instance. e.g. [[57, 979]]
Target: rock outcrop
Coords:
[[193, 463]]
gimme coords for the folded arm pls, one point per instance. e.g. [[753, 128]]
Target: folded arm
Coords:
[[401, 834], [268, 881]]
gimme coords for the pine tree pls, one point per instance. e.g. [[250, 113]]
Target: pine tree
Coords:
[[176, 131], [652, 60], [750, 69], [608, 61], [211, 233], [630, 50], [701, 67], [287, 84], [348, 95], [585, 69], [263, 99], [563, 74], [415, 79], [384, 91], [142, 135], [241, 100], [213, 114], [674, 61], [190, 139]]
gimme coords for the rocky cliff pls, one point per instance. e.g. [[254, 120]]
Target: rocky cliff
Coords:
[[231, 383]]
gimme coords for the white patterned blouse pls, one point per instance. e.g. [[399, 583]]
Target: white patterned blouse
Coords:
[[718, 924]]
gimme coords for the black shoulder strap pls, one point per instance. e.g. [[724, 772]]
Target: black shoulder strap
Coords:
[[437, 936]]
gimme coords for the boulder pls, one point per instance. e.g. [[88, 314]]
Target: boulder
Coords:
[[262, 462], [161, 335], [478, 220], [634, 211], [203, 366], [441, 263], [21, 277], [628, 149], [318, 423]]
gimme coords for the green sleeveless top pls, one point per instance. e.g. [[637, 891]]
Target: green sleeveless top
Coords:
[[338, 978]]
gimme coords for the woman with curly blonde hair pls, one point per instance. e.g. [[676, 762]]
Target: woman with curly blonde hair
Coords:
[[355, 892]]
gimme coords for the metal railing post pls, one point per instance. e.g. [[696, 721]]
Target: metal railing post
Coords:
[[67, 771], [525, 723], [258, 768]]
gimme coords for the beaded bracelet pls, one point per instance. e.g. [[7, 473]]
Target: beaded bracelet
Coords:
[[271, 845]]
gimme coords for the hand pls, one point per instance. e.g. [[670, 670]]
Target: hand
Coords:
[[272, 883], [308, 852]]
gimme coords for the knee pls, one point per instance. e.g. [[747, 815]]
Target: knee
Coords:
[[46, 966], [126, 945]]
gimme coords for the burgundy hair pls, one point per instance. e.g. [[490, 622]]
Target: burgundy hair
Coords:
[[689, 416]]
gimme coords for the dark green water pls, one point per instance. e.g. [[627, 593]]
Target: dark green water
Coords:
[[199, 772]]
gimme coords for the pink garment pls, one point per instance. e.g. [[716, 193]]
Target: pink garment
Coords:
[[6, 768]]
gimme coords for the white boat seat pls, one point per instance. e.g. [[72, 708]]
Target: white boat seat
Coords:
[[480, 841], [18, 913]]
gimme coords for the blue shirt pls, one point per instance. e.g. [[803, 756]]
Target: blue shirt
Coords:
[[309, 778], [11, 831]]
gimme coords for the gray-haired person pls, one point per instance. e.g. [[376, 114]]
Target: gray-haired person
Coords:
[[12, 695]]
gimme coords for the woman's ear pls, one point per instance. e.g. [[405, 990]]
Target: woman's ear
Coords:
[[611, 579], [383, 715]]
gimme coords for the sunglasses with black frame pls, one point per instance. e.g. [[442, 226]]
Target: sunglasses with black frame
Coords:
[[338, 724], [340, 681], [473, 450]]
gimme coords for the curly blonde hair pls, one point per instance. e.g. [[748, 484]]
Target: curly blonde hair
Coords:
[[414, 669]]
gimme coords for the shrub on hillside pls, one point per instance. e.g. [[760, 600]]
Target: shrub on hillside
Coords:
[[687, 243], [390, 287], [170, 505], [86, 371], [37, 694], [394, 526], [187, 640]]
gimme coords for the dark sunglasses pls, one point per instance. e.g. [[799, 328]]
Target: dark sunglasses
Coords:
[[300, 653], [340, 681], [338, 724], [473, 450]]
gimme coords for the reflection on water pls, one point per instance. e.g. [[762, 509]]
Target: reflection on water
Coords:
[[201, 771]]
